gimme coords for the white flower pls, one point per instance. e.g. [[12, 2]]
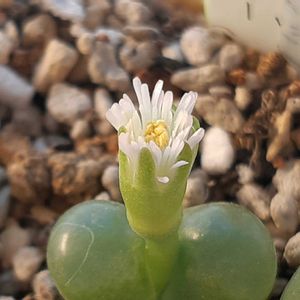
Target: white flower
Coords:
[[156, 126]]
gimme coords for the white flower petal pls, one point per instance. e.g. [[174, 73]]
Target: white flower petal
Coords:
[[196, 138], [179, 164]]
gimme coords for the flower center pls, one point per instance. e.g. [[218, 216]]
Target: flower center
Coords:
[[157, 131]]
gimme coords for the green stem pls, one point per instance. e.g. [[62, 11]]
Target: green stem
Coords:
[[161, 255]]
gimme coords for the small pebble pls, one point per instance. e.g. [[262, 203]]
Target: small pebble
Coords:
[[4, 204], [245, 173], [6, 47], [26, 262], [80, 129], [219, 91], [198, 79], [43, 215], [104, 69], [20, 95], [173, 51], [286, 179], [103, 196], [39, 29], [198, 44], [292, 251], [102, 103], [137, 56], [196, 189], [243, 97], [231, 57], [14, 238], [110, 181], [217, 152], [222, 113], [63, 95], [133, 12], [44, 287], [256, 199], [58, 60], [293, 105], [284, 212], [69, 10]]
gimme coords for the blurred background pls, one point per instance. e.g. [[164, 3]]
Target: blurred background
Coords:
[[64, 63]]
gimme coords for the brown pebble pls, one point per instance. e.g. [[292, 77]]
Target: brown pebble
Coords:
[[270, 64], [237, 77]]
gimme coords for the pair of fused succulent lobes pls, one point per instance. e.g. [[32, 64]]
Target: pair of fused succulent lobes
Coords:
[[152, 249]]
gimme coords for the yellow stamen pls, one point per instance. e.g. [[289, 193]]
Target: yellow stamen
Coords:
[[157, 131]]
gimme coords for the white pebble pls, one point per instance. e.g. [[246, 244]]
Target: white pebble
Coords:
[[67, 103], [26, 262], [231, 56], [217, 154], [198, 44]]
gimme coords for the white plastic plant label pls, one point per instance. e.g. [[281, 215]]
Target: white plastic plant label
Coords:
[[266, 25]]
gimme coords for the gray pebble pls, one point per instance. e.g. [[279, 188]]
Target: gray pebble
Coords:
[[110, 181], [104, 69], [4, 204], [67, 103], [198, 79], [198, 44], [20, 95], [196, 189], [284, 212], [133, 12], [80, 130], [292, 251], [231, 56], [256, 199], [222, 113]]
